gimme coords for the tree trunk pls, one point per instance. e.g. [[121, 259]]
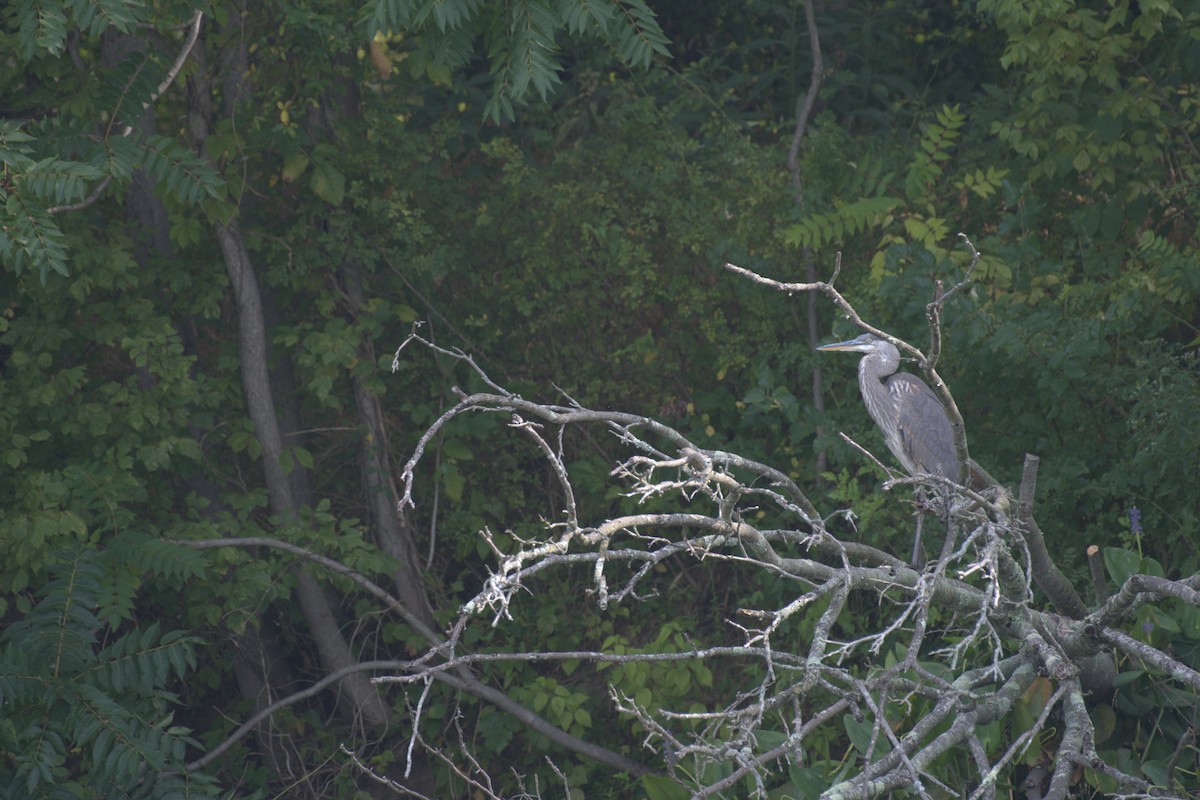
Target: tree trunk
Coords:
[[393, 529], [334, 651], [261, 674], [332, 647]]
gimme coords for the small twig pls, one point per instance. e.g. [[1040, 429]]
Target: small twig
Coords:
[[92, 197], [967, 280], [886, 470], [933, 313], [1185, 742], [395, 786]]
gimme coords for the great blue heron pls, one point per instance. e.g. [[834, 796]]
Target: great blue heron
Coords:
[[914, 422]]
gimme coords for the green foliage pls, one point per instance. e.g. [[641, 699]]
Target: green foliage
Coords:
[[31, 239], [847, 220], [653, 685], [179, 171], [54, 181], [85, 715], [1079, 112], [520, 40], [934, 149], [579, 246], [126, 89], [566, 708], [1140, 726], [865, 197], [54, 165]]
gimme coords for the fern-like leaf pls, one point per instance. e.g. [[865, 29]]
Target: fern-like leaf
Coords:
[[156, 556], [142, 658], [532, 49], [41, 25], [451, 14], [104, 707], [178, 170], [386, 16], [96, 16], [31, 239], [817, 230], [937, 139], [866, 177], [638, 35], [15, 146], [589, 16], [129, 87], [55, 181], [44, 753], [439, 55], [118, 156]]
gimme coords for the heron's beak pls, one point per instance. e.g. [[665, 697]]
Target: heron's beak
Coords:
[[850, 344]]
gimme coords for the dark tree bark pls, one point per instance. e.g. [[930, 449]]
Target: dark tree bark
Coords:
[[392, 527]]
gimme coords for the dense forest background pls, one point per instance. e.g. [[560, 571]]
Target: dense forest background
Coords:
[[218, 222]]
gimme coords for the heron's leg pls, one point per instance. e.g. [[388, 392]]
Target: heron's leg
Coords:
[[918, 556]]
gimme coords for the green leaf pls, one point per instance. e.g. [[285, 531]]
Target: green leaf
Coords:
[[294, 165], [1127, 677], [453, 482], [287, 462], [1121, 564], [1104, 721], [55, 181], [637, 34], [180, 171], [862, 734], [328, 182], [43, 26], [31, 239], [304, 457], [457, 449], [809, 781], [660, 787], [821, 229]]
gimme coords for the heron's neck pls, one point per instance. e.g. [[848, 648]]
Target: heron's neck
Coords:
[[876, 367], [871, 372]]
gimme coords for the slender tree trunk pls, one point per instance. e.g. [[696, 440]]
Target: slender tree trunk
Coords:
[[256, 384], [263, 677], [393, 529], [332, 647], [260, 673], [804, 109]]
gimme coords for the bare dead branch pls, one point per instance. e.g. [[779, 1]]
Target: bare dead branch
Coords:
[[1152, 656], [992, 643], [927, 365], [1046, 573]]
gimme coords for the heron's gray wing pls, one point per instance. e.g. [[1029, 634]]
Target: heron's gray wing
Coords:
[[924, 427]]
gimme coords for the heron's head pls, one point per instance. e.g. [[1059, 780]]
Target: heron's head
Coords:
[[866, 343]]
